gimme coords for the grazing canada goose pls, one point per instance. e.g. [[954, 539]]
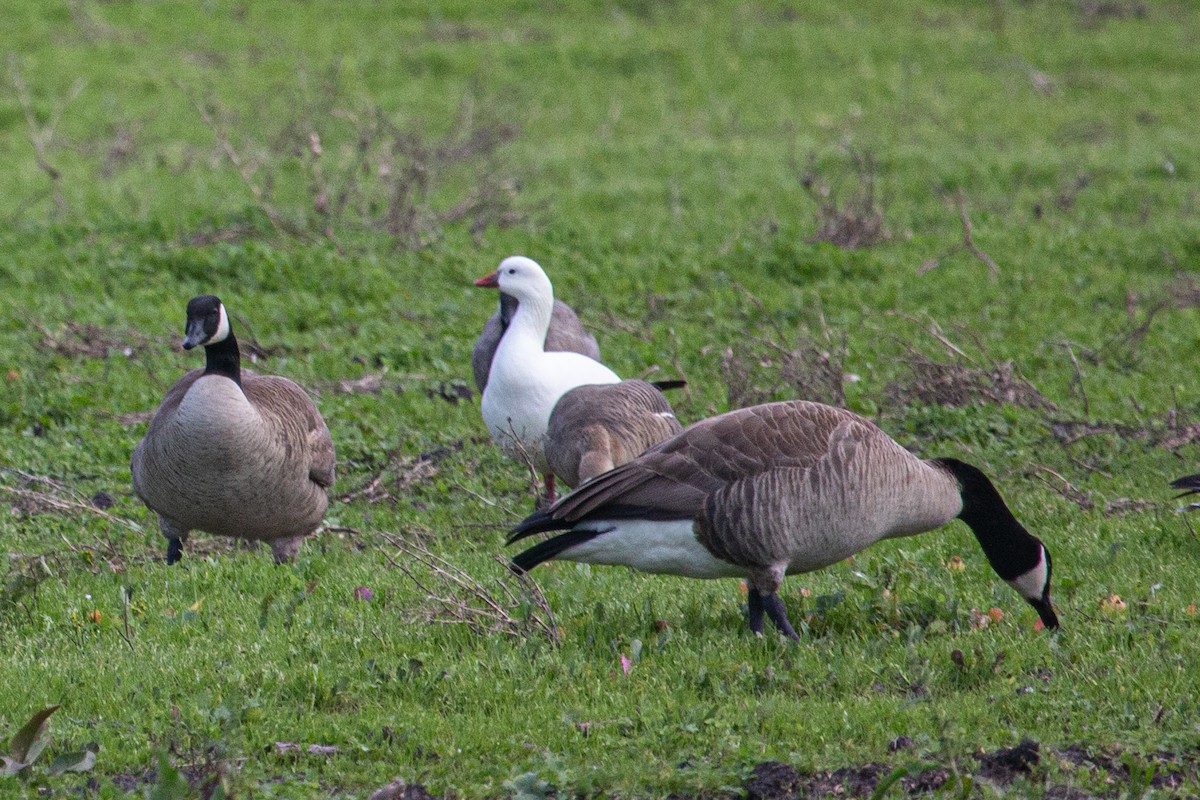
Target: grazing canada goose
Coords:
[[526, 380], [595, 428], [565, 335], [231, 452], [775, 489]]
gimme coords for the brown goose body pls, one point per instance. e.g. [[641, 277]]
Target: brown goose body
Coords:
[[241, 455], [595, 428], [777, 489], [565, 335]]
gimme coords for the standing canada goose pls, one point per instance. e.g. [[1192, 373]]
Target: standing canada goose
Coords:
[[775, 489], [565, 335], [595, 428], [525, 380], [231, 452]]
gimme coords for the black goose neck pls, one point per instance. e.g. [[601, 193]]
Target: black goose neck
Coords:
[[223, 358], [508, 307], [1010, 549]]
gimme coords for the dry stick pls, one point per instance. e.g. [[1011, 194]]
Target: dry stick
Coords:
[[534, 483], [58, 504], [1088, 467], [1077, 379], [1066, 490], [460, 611], [968, 242], [41, 136], [243, 171]]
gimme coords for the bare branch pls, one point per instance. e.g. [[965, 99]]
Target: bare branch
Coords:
[[512, 604], [968, 242], [42, 136], [244, 171]]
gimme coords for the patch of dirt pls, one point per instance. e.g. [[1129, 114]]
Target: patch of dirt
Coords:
[[772, 779], [86, 340], [451, 391], [400, 790], [1009, 763]]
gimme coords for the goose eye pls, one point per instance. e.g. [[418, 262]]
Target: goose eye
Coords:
[[512, 270]]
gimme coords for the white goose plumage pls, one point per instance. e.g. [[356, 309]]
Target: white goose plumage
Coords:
[[526, 381]]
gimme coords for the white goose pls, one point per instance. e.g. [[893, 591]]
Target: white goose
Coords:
[[526, 381], [566, 332]]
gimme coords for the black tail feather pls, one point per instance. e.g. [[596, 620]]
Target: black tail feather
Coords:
[[537, 522], [544, 551], [1189, 483], [666, 386]]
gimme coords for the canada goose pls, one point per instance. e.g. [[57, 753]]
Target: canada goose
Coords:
[[595, 428], [231, 452], [525, 380], [566, 335], [775, 489]]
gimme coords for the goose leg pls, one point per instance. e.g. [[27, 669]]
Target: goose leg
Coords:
[[772, 605], [176, 536], [777, 613], [754, 608], [285, 550], [763, 594], [548, 478]]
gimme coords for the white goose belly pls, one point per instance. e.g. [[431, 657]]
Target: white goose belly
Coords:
[[665, 547]]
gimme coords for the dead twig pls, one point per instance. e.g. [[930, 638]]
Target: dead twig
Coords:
[[857, 220], [512, 604], [964, 380], [42, 136], [32, 501], [407, 471], [967, 243], [244, 171], [1077, 377], [1063, 487], [768, 362]]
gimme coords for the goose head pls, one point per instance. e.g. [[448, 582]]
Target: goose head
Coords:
[[207, 322], [520, 278], [1017, 556]]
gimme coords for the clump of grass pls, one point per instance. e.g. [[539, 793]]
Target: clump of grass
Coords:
[[770, 363], [963, 380], [848, 212], [363, 169]]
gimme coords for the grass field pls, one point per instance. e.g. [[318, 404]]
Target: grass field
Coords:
[[687, 173]]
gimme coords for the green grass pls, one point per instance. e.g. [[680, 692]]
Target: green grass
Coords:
[[656, 167]]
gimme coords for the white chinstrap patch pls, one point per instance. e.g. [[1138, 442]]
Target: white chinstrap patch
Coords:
[[666, 547], [222, 327], [1032, 584]]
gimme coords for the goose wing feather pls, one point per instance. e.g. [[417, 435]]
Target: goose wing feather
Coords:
[[673, 479], [296, 421]]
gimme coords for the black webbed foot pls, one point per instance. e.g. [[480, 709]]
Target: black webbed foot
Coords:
[[174, 551]]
